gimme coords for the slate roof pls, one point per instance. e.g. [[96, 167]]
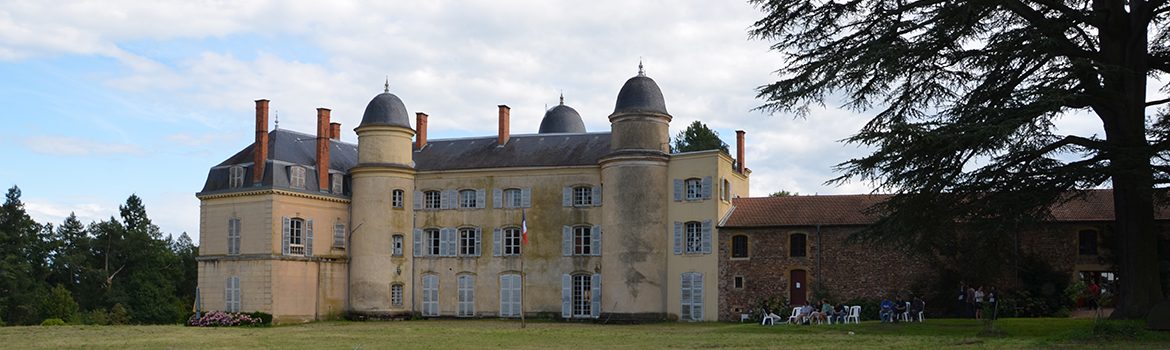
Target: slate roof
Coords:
[[849, 210], [561, 119], [386, 109], [284, 147], [640, 94]]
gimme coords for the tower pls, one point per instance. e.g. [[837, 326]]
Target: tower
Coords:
[[634, 179], [382, 219]]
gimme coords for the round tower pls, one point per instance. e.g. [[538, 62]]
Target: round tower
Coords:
[[635, 186], [383, 187]]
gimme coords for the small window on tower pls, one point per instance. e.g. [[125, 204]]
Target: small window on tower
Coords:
[[396, 198]]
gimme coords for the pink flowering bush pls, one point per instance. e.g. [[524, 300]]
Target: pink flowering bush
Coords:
[[224, 319]]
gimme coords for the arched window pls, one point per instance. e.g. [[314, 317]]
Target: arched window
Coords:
[[797, 245], [466, 296], [582, 240], [739, 246], [430, 295], [469, 241], [582, 298], [296, 236], [510, 293], [432, 199], [467, 199], [513, 198]]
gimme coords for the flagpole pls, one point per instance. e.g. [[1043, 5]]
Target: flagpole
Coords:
[[523, 278]]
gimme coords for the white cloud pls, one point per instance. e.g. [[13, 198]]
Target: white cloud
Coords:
[[73, 146]]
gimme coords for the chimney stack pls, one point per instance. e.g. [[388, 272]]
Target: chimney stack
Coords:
[[420, 135], [260, 148], [323, 133], [335, 131], [505, 121], [739, 165]]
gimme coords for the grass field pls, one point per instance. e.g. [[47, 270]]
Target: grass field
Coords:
[[479, 334]]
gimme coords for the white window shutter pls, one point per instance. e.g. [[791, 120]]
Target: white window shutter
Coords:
[[697, 296], [595, 245], [497, 246], [227, 294], [445, 239], [707, 186], [567, 197], [706, 232], [418, 240], [418, 199], [453, 242], [505, 286], [526, 197], [566, 295], [480, 198], [678, 190], [284, 241], [478, 241], [678, 238], [595, 309], [597, 195], [567, 240], [685, 296], [497, 198], [309, 237], [445, 199]]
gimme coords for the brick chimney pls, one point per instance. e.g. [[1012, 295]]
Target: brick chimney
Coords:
[[260, 148], [739, 165], [335, 131], [505, 121], [420, 135], [323, 133]]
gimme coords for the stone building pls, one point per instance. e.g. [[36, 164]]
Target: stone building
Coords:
[[309, 227]]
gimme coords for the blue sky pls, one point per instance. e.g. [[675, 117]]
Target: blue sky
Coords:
[[105, 99]]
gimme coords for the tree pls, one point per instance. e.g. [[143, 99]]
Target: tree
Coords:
[[969, 92], [783, 193], [697, 137], [22, 262]]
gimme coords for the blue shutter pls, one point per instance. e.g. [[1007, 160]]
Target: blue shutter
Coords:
[[678, 190], [526, 197], [597, 195], [706, 238], [445, 199], [685, 297], [418, 240], [567, 240], [445, 239], [707, 186], [505, 285], [309, 241], [480, 198], [478, 240], [284, 241], [227, 295], [697, 296], [453, 242], [595, 245], [418, 200], [497, 198], [595, 309], [567, 197], [678, 238], [566, 295], [497, 246]]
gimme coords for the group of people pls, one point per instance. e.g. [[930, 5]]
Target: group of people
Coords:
[[826, 312], [972, 300], [890, 309]]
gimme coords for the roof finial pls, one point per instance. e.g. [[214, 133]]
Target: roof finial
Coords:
[[386, 87], [562, 97], [277, 121], [641, 72]]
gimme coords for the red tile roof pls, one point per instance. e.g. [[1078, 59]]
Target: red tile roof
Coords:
[[846, 210]]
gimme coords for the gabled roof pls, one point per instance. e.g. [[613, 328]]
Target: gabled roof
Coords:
[[285, 147], [850, 210]]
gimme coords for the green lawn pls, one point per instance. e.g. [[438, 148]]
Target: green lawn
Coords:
[[477, 334]]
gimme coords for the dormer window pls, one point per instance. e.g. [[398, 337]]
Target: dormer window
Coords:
[[296, 177], [236, 177], [337, 184]]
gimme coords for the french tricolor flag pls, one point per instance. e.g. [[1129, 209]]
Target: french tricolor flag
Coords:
[[523, 226]]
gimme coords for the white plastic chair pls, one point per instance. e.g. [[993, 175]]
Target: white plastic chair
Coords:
[[906, 314], [854, 314], [769, 318], [795, 315]]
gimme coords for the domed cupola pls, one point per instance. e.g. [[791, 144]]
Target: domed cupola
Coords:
[[562, 119], [640, 94], [386, 109]]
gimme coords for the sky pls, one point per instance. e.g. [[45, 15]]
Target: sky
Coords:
[[102, 100]]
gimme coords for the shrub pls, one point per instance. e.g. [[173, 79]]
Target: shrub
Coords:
[[53, 322], [59, 304], [223, 319], [119, 315], [264, 317], [97, 317]]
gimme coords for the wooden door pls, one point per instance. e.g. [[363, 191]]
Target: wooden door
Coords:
[[797, 288]]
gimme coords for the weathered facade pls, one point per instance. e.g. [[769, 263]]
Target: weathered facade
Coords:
[[619, 229]]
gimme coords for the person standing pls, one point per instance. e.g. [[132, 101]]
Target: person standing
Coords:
[[962, 310], [993, 300], [970, 297], [979, 303]]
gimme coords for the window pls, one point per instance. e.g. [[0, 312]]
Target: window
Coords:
[[396, 198], [582, 241], [337, 183], [467, 199], [692, 296], [582, 196], [694, 189], [510, 294], [582, 297], [739, 246], [726, 195], [232, 294], [466, 296], [694, 236], [796, 245], [296, 242], [433, 241], [513, 198], [396, 294], [397, 245], [339, 235], [511, 241], [233, 236], [236, 177], [430, 295], [469, 241], [1087, 242], [738, 282], [433, 199], [296, 177]]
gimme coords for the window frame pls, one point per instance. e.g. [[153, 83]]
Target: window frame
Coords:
[[430, 294], [296, 237], [725, 194], [1087, 247], [583, 240], [693, 237], [396, 294], [432, 199], [396, 243], [513, 198], [397, 198], [233, 247], [467, 241], [511, 293], [236, 176], [296, 177], [738, 282], [467, 199], [581, 291], [432, 241], [233, 294], [465, 297], [337, 183], [694, 189], [582, 196], [689, 300], [511, 242], [339, 235], [792, 246], [740, 251]]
